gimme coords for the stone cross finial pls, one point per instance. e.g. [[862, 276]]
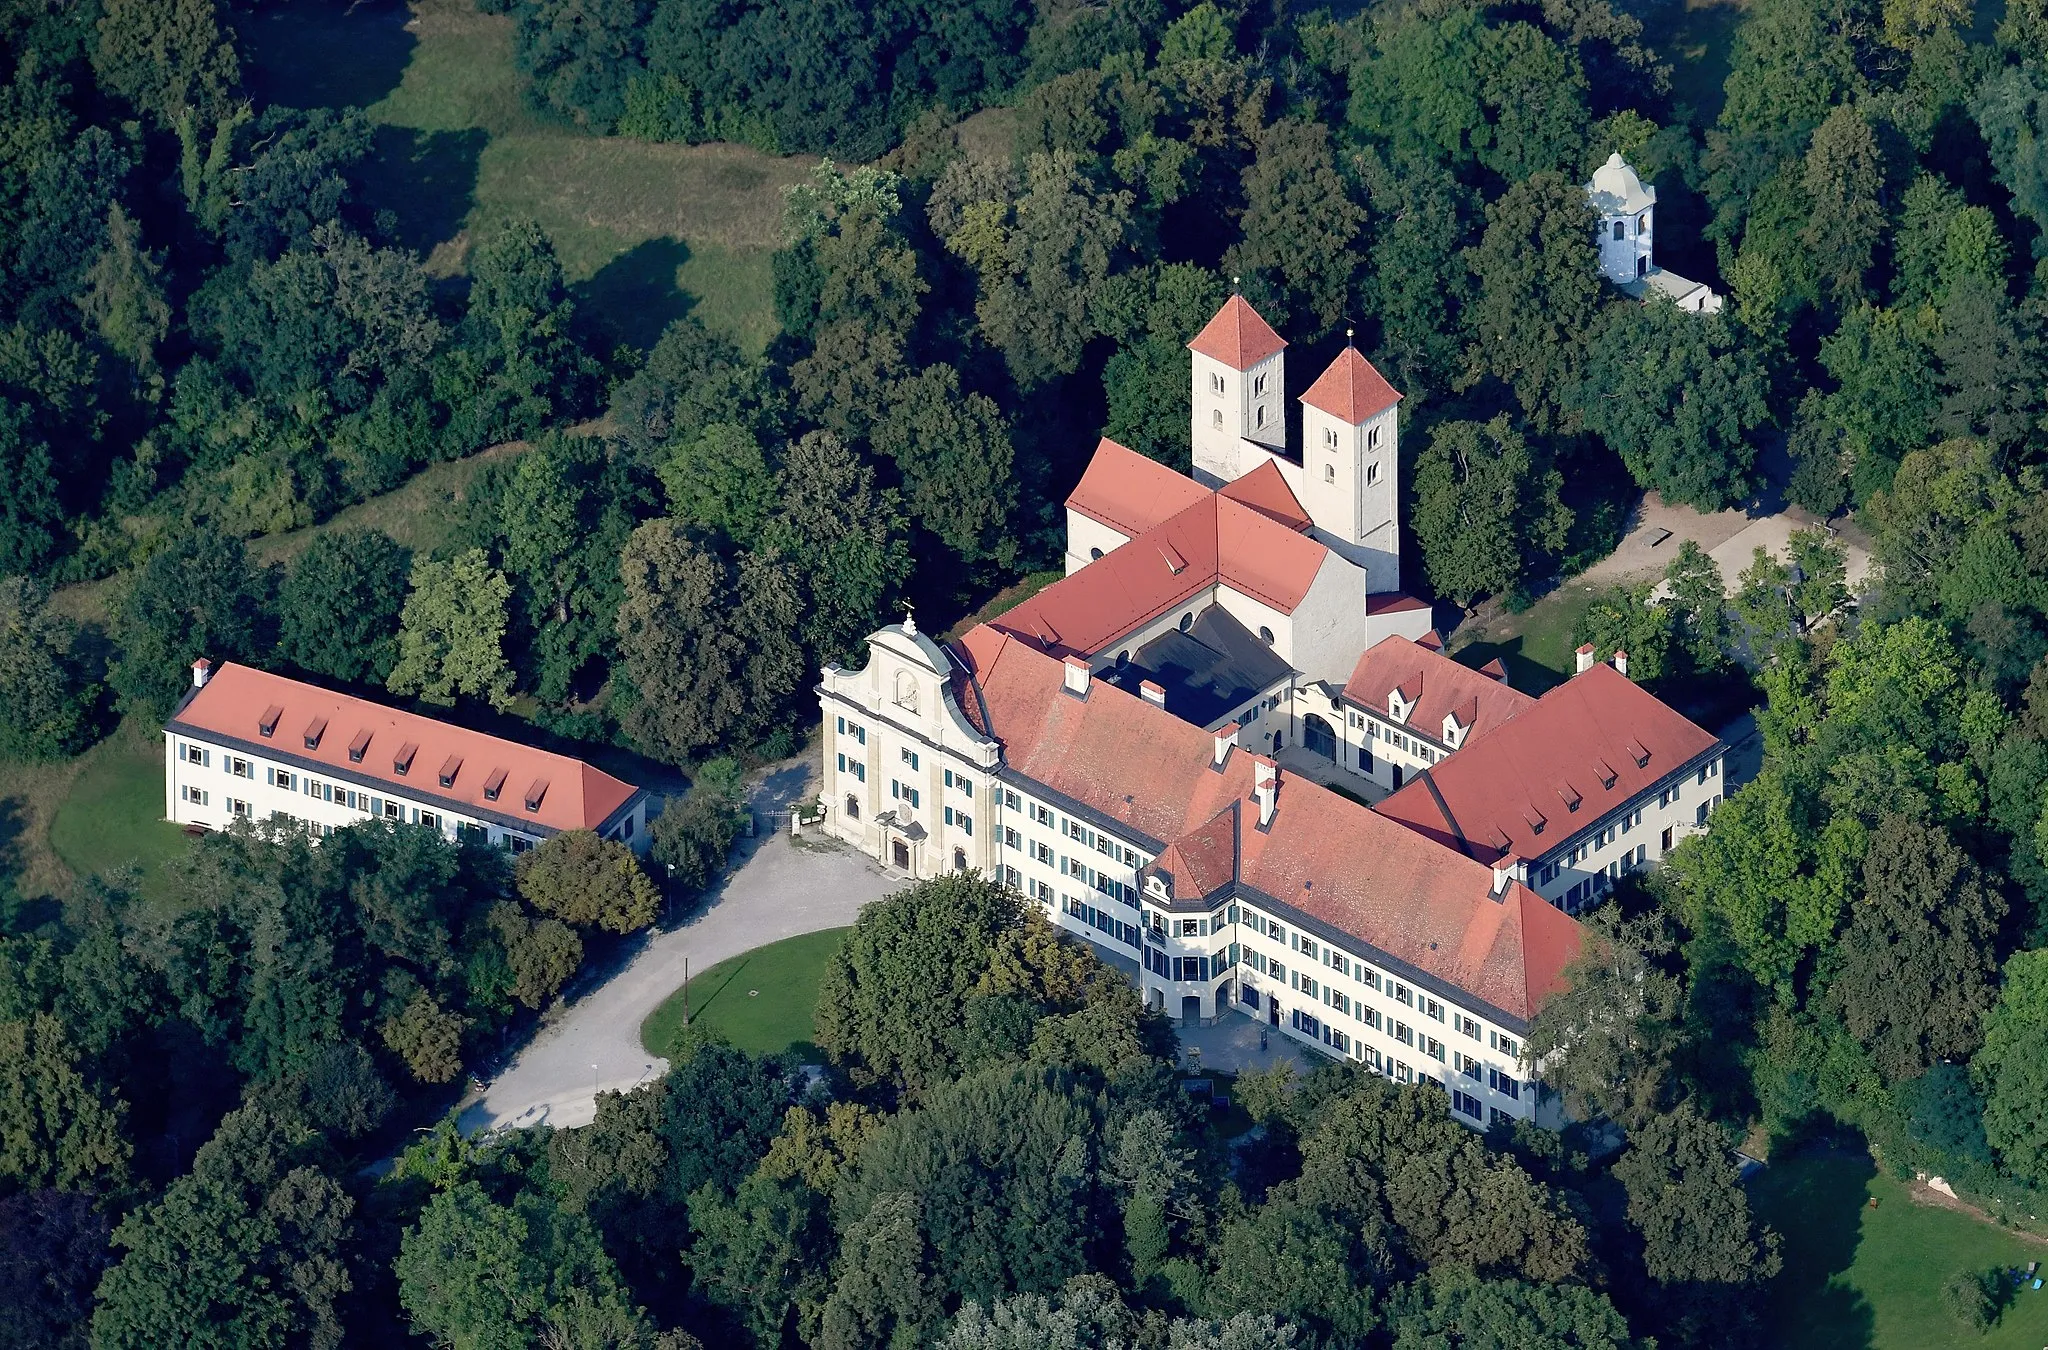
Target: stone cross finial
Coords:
[[910, 620]]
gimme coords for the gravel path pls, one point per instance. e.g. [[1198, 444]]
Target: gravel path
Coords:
[[779, 889]]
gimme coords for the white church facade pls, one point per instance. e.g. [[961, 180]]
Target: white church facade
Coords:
[[1110, 748]]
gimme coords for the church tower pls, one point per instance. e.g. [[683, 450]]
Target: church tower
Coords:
[[1351, 467], [1240, 380]]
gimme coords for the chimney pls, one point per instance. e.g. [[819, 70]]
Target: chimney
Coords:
[[1585, 662], [1505, 870], [1265, 788], [202, 671], [1621, 663], [1077, 677], [1152, 693], [1226, 738]]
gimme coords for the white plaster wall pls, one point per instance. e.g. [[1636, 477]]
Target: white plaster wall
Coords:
[[1085, 533]]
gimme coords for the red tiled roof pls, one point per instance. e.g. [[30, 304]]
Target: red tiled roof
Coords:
[[1351, 390], [1566, 748], [1427, 906], [1392, 602], [1445, 687], [1130, 493], [237, 698], [1215, 540], [1265, 490], [1237, 336]]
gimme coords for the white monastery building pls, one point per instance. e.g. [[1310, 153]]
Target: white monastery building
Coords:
[[1110, 748], [248, 745], [1627, 230]]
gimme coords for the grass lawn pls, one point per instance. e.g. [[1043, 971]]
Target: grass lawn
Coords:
[[1535, 645], [645, 232], [764, 1001], [1857, 1278], [112, 815]]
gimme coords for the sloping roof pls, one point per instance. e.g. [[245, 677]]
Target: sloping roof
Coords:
[[1237, 336], [1112, 751], [1512, 790], [1265, 490], [1215, 540], [1203, 862], [1351, 390], [1130, 493], [1445, 686], [1615, 189], [237, 701], [1323, 855]]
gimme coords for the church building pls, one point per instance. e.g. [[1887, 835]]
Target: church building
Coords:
[[1171, 749]]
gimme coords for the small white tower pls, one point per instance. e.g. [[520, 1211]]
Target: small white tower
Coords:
[[1627, 211], [1351, 467], [1240, 380]]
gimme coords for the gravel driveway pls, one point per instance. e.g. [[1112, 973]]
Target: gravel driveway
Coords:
[[779, 889]]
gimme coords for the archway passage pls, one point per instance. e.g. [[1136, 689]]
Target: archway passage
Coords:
[[1319, 736]]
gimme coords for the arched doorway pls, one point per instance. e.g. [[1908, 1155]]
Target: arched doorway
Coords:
[[1318, 736]]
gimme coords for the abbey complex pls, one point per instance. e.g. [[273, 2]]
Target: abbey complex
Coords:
[[1173, 748]]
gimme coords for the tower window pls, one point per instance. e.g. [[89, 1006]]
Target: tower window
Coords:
[[1372, 439], [1215, 383], [1329, 473], [1216, 418], [1621, 229], [1372, 473], [1259, 418], [1258, 385], [1329, 438]]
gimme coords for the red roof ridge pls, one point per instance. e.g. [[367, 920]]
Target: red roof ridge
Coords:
[[1237, 336], [1265, 490], [1351, 390], [1129, 492]]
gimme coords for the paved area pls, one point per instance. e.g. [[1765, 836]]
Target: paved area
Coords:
[[1231, 1045], [1730, 538], [779, 889]]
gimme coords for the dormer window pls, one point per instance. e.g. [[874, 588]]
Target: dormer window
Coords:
[[535, 794], [315, 729], [494, 785], [401, 763], [451, 767], [358, 747], [267, 723]]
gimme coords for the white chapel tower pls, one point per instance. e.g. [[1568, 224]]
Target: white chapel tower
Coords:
[[1626, 235]]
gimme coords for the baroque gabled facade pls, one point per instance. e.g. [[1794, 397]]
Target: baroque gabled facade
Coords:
[[1110, 749]]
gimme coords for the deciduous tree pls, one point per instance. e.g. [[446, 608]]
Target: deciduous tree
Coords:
[[1487, 508], [582, 879], [452, 632], [339, 607]]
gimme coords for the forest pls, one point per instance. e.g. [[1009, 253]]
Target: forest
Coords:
[[208, 338]]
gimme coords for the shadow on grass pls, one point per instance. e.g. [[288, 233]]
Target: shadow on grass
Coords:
[[425, 179], [324, 53], [634, 296], [1529, 676], [1816, 1203]]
